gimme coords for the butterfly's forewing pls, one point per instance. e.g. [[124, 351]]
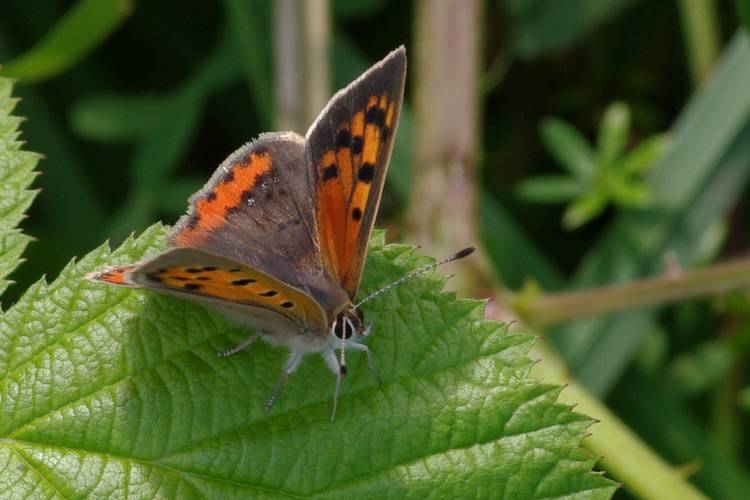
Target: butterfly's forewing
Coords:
[[201, 276], [349, 147], [258, 209]]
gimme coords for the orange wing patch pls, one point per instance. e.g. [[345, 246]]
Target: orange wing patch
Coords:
[[115, 276], [210, 212], [345, 176], [240, 285]]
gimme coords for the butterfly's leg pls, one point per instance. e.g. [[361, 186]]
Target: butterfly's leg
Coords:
[[368, 329], [234, 350], [370, 358], [333, 363], [291, 365]]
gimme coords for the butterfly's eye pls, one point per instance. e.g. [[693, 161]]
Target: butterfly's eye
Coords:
[[342, 327]]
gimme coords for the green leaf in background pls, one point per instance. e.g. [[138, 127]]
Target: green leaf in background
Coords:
[[609, 175], [77, 33], [613, 133], [550, 188], [108, 390], [16, 175], [583, 209], [346, 9], [115, 118], [513, 255], [646, 154], [248, 23], [744, 399], [743, 8], [694, 184], [541, 26], [569, 147]]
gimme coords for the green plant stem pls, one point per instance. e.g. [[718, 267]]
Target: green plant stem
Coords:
[[625, 456], [701, 33], [556, 308]]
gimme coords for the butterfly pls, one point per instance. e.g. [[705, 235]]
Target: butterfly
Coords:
[[277, 238]]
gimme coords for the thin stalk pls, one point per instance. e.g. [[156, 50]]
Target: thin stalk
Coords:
[[301, 42], [626, 457], [556, 308], [445, 76], [443, 214], [316, 33], [287, 66], [700, 27]]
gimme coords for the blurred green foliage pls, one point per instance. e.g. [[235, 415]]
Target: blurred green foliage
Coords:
[[597, 177], [161, 97]]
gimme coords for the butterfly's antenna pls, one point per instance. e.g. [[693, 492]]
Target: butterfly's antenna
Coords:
[[460, 255], [342, 367]]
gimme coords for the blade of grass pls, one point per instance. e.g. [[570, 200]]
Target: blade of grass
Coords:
[[77, 33]]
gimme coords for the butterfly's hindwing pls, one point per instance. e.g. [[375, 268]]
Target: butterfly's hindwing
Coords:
[[349, 147], [200, 276]]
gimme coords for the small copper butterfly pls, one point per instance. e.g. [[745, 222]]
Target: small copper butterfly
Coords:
[[277, 238]]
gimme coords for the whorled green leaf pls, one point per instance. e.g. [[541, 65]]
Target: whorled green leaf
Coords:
[[613, 133], [645, 155], [569, 147], [77, 33], [584, 209], [111, 392], [16, 175], [550, 188]]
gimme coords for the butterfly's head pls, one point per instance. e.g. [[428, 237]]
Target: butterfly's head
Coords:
[[348, 323]]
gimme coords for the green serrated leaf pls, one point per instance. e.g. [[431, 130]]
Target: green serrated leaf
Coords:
[[106, 392], [16, 175]]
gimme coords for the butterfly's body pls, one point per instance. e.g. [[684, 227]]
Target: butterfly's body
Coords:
[[277, 238]]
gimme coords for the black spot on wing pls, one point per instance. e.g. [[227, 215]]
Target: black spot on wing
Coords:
[[366, 172], [357, 143], [193, 221], [191, 286], [154, 277], [343, 139], [356, 213], [330, 172], [269, 293], [376, 116], [243, 281]]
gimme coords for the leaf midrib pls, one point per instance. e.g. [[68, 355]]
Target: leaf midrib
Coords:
[[125, 459]]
